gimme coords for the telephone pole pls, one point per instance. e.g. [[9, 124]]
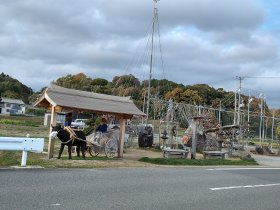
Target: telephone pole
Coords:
[[239, 98], [261, 118]]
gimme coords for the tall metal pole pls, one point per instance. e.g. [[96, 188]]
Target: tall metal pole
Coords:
[[248, 120], [249, 101], [264, 125], [239, 101], [220, 109], [260, 128], [272, 129], [234, 117], [273, 122], [151, 58], [144, 101]]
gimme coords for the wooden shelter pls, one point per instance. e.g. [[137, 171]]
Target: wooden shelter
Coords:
[[59, 99]]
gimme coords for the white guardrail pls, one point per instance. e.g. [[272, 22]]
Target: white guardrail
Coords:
[[22, 144]]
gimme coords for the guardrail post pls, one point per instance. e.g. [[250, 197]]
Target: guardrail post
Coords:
[[24, 158], [22, 144]]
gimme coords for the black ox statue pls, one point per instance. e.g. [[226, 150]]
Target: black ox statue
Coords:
[[70, 138], [145, 136]]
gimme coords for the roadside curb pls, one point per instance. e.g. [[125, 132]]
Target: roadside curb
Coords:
[[21, 167]]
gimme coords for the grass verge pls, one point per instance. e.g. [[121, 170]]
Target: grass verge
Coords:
[[19, 122], [12, 158], [9, 159], [198, 162]]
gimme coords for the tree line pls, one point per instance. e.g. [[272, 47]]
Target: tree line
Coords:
[[129, 85]]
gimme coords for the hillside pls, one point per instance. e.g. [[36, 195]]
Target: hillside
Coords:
[[12, 88], [129, 85]]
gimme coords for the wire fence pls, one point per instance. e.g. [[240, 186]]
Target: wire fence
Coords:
[[258, 127]]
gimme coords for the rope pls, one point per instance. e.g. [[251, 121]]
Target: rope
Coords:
[[73, 135]]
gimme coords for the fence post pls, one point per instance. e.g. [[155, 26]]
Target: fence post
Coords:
[[24, 158]]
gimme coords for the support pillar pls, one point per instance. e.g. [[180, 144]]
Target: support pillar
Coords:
[[51, 142], [122, 136]]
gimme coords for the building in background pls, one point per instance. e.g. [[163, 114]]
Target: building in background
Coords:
[[12, 106]]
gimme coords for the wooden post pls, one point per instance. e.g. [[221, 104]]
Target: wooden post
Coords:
[[122, 135], [195, 122], [51, 142], [194, 139]]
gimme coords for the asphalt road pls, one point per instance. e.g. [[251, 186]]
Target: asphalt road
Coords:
[[140, 188]]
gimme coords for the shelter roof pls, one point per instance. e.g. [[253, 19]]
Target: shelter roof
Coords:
[[87, 101]]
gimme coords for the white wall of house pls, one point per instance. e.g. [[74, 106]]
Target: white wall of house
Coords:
[[12, 106]]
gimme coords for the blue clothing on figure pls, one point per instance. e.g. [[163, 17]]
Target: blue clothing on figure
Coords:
[[102, 128]]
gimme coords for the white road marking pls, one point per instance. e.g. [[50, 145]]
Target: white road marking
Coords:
[[55, 204], [245, 186], [232, 169]]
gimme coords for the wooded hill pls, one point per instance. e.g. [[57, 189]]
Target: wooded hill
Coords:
[[12, 88], [129, 85]]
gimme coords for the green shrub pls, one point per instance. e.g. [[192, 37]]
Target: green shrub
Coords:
[[198, 162], [18, 122]]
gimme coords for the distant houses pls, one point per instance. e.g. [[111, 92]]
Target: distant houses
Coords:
[[12, 106]]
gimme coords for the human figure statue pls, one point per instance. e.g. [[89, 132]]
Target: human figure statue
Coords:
[[103, 127]]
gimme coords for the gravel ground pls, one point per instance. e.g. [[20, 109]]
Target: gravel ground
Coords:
[[263, 160]]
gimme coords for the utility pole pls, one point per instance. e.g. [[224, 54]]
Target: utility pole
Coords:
[[272, 130], [234, 117], [261, 118], [151, 58], [239, 99], [220, 109], [249, 102]]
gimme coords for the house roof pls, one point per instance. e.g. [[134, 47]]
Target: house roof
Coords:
[[88, 101], [12, 101]]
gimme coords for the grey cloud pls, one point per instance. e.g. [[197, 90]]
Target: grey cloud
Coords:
[[203, 41], [214, 15], [258, 49]]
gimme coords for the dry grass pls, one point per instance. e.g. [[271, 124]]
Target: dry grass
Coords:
[[22, 130]]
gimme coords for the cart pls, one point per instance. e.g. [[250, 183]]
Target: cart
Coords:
[[104, 142]]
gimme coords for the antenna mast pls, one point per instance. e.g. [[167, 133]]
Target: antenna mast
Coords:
[[155, 19]]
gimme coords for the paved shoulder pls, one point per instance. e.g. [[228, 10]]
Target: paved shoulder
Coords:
[[267, 160]]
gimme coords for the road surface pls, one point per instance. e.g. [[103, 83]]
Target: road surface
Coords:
[[141, 188]]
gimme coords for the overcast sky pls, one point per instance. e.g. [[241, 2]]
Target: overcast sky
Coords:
[[202, 41]]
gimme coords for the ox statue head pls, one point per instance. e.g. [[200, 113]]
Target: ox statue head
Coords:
[[55, 130]]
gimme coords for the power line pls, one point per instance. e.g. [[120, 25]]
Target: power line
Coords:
[[262, 77]]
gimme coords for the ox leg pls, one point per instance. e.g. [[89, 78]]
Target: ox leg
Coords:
[[70, 151], [78, 148], [84, 148], [60, 150]]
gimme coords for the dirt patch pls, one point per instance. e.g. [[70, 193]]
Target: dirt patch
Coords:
[[130, 159], [135, 154]]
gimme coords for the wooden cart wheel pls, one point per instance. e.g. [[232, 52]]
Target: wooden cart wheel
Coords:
[[111, 148], [93, 150]]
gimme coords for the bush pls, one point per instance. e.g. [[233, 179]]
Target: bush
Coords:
[[36, 112]]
